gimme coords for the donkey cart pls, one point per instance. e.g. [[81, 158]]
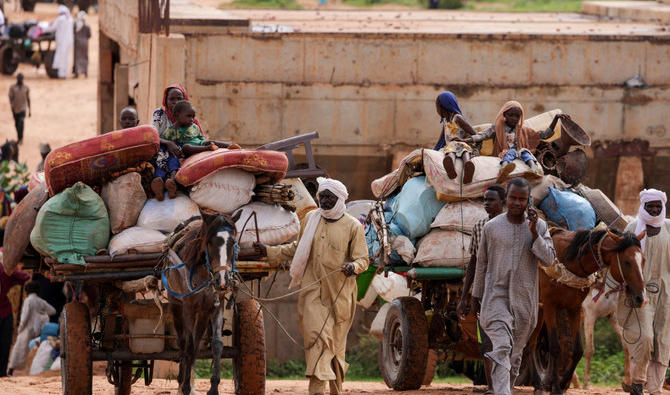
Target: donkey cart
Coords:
[[104, 320]]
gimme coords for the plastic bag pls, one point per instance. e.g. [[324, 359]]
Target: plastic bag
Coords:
[[416, 207], [540, 191], [136, 240], [166, 215], [71, 225], [224, 191], [42, 358], [275, 225], [391, 287], [124, 198], [460, 216], [569, 210], [443, 248]]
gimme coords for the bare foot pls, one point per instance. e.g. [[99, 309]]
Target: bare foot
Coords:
[[157, 187], [171, 187], [505, 171]]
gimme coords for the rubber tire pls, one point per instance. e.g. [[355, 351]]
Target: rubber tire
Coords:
[[431, 365], [249, 339], [125, 381], [75, 340], [407, 319], [6, 57], [48, 64]]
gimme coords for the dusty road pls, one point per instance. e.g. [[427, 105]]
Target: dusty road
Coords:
[[51, 385], [63, 111]]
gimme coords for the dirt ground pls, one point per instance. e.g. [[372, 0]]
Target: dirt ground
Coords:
[[50, 384], [63, 111]]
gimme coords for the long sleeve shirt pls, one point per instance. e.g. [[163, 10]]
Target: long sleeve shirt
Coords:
[[6, 283], [510, 133]]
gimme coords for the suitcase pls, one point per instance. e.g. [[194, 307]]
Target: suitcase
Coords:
[[92, 161]]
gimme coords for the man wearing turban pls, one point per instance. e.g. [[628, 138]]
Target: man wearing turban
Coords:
[[650, 354], [331, 247]]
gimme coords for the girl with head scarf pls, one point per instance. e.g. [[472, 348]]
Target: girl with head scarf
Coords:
[[513, 140], [82, 33], [454, 130]]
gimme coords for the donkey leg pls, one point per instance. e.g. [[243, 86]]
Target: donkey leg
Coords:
[[176, 310], [589, 324], [217, 349], [575, 356]]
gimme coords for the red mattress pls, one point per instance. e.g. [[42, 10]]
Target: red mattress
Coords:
[[199, 166], [93, 160]]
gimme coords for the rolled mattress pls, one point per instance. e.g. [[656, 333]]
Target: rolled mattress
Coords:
[[93, 160]]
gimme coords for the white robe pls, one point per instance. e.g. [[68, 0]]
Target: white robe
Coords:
[[34, 314], [64, 28]]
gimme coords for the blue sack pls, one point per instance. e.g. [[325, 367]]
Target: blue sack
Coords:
[[49, 329], [569, 210], [416, 207]]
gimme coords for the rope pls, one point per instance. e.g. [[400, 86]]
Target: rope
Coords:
[[281, 326]]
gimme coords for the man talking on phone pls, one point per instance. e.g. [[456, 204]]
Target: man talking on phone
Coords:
[[505, 290]]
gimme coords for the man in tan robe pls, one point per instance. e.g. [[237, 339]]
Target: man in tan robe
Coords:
[[331, 247], [506, 282], [651, 352]]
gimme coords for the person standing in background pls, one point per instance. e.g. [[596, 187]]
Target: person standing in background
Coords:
[[7, 281], [82, 33], [64, 29], [19, 100]]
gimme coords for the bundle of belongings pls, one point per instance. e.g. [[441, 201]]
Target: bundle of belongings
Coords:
[[95, 197], [424, 217]]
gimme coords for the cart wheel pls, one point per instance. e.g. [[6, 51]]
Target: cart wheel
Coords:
[[125, 380], [9, 64], [249, 339], [75, 335], [404, 347], [48, 61], [431, 365]]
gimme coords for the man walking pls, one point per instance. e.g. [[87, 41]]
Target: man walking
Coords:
[[330, 251], [494, 201], [19, 100], [650, 354], [506, 281]]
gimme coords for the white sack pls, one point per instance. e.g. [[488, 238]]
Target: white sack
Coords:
[[443, 248], [276, 225], [166, 215], [136, 240], [56, 364], [42, 358], [403, 247], [224, 191], [460, 215], [391, 287], [124, 198]]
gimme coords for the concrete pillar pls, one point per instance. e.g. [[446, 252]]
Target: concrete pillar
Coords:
[[629, 183], [120, 92], [106, 84], [168, 64]]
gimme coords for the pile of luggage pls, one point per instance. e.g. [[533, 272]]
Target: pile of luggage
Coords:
[[426, 218], [93, 198]]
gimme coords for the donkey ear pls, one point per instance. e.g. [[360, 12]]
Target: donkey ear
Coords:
[[614, 236], [236, 216], [207, 218], [642, 235]]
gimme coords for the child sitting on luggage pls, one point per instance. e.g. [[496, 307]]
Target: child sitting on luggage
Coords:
[[182, 139], [513, 140], [128, 118], [454, 130]]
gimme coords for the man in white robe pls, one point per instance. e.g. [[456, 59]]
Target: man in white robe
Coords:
[[63, 26], [651, 352], [506, 282]]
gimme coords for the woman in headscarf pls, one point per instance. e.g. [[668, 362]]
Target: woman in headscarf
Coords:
[[514, 140], [455, 129], [163, 117], [64, 30], [82, 33]]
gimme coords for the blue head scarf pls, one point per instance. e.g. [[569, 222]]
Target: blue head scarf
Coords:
[[447, 101]]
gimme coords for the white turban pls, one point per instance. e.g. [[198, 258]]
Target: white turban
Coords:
[[305, 244], [644, 218], [63, 10]]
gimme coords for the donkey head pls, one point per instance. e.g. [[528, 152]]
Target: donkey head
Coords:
[[219, 244], [624, 255]]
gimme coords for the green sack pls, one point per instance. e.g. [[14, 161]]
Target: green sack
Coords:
[[71, 225]]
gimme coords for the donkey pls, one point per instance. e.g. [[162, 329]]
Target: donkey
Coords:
[[602, 302], [202, 251], [557, 336]]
